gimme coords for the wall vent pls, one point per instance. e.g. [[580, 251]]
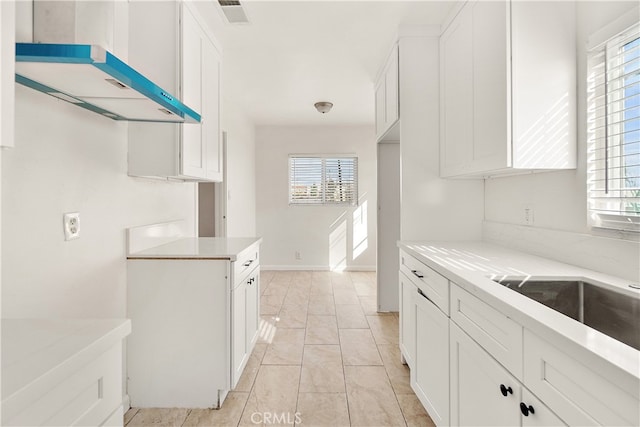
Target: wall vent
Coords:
[[233, 11]]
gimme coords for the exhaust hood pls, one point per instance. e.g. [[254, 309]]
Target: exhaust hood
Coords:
[[94, 79]]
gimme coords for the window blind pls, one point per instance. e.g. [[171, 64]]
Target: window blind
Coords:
[[613, 152], [323, 180]]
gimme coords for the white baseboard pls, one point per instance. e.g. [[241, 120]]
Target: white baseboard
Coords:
[[314, 268], [126, 403]]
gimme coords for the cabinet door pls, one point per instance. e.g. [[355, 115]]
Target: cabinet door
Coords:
[[192, 159], [211, 133], [543, 41], [380, 108], [391, 90], [430, 378], [238, 332], [252, 309], [456, 96], [476, 379], [581, 394], [541, 415], [491, 97], [407, 320]]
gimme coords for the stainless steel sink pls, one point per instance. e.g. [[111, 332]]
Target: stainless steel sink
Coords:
[[613, 313]]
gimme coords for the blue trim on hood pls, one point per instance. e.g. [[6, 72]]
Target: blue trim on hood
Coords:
[[108, 63]]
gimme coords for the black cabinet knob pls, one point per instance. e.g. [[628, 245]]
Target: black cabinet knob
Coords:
[[526, 410], [418, 274], [505, 390]]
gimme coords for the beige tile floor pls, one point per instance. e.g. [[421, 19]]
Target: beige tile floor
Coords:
[[325, 357]]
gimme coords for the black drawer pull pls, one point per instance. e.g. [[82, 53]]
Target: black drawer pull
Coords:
[[505, 390], [248, 263], [526, 410], [418, 274]]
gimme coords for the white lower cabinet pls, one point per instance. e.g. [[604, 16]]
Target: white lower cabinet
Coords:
[[62, 372], [430, 376], [580, 395], [245, 312], [476, 384], [239, 331], [196, 324], [483, 393], [542, 415], [407, 320], [252, 298]]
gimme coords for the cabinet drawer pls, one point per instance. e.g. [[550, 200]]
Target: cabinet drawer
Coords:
[[433, 285], [496, 333], [88, 397], [577, 393], [245, 263]]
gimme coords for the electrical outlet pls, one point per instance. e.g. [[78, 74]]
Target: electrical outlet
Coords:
[[528, 214], [71, 224], [298, 257]]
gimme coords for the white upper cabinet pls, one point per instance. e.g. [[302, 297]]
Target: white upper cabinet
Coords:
[[387, 102], [176, 51], [507, 89]]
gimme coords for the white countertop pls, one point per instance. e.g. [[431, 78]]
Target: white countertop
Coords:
[[199, 248], [471, 265], [45, 349]]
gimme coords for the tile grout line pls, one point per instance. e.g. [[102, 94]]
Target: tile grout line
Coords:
[[344, 374], [303, 350], [186, 417]]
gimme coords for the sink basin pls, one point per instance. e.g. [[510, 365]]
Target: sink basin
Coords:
[[613, 313]]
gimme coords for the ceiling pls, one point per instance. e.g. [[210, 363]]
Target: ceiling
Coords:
[[295, 53]]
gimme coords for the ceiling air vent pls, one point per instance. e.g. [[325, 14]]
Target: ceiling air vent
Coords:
[[233, 11]]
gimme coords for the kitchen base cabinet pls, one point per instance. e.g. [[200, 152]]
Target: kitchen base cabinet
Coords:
[[62, 372], [580, 395], [476, 380], [483, 393], [407, 320], [194, 304], [178, 351], [430, 375], [253, 310], [245, 313]]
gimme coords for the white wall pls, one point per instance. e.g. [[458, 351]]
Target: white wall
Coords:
[[559, 198], [432, 208], [241, 171], [68, 159], [309, 229]]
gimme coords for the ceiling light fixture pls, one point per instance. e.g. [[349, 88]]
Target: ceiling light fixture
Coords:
[[323, 107]]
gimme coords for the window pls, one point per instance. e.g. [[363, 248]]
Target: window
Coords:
[[613, 162], [323, 180]]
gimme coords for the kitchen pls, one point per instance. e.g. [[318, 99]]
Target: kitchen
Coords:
[[66, 159]]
